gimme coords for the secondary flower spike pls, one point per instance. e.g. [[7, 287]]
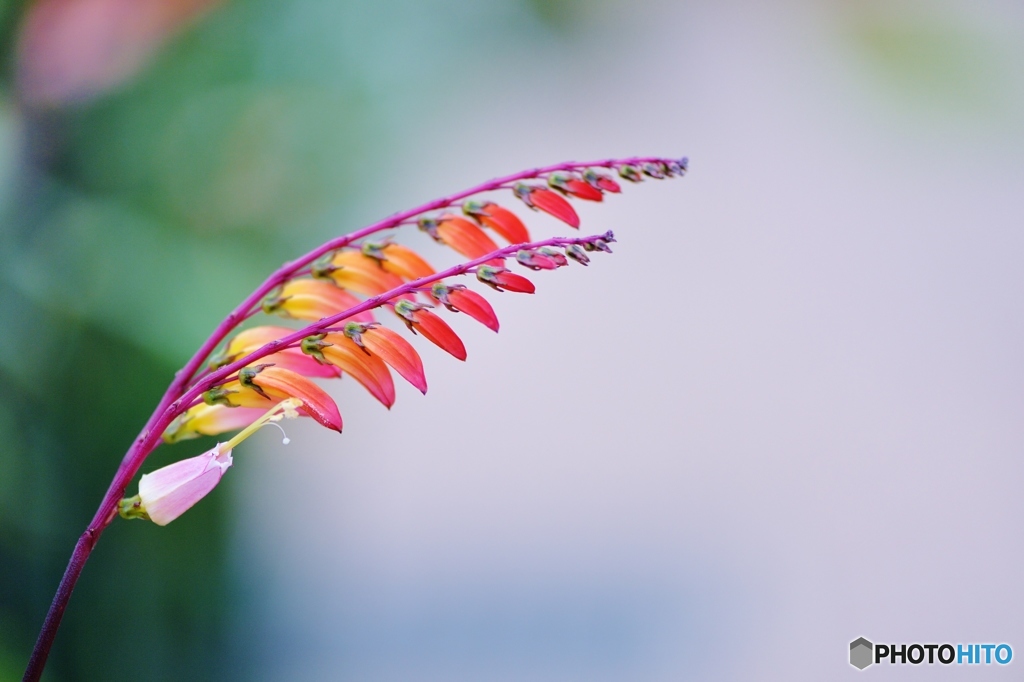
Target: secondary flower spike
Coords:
[[168, 492]]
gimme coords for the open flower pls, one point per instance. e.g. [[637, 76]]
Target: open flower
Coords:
[[168, 492]]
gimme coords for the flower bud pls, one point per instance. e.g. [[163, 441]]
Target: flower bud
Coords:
[[398, 260], [631, 173], [392, 348], [501, 279], [654, 170], [420, 320], [677, 167], [536, 260], [312, 299], [352, 270], [574, 187], [501, 220], [601, 181], [551, 203], [576, 252], [555, 255], [458, 298], [460, 234]]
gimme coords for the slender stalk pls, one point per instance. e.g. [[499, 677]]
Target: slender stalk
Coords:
[[182, 392]]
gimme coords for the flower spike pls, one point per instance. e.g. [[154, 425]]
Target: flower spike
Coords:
[[334, 289]]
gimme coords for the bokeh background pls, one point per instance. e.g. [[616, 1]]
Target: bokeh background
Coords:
[[785, 414]]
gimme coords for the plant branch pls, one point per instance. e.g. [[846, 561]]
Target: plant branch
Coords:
[[183, 391]]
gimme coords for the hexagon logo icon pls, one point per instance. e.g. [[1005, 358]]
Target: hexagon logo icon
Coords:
[[860, 653]]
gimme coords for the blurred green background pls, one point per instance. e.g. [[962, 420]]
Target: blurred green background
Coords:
[[142, 194]]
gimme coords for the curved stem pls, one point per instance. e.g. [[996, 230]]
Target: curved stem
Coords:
[[179, 395]]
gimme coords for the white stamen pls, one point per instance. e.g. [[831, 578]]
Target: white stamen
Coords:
[[286, 409], [286, 439]]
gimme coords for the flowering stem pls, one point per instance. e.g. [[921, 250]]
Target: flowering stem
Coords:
[[186, 387]]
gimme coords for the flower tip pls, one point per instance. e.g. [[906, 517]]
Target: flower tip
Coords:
[[393, 349], [555, 205]]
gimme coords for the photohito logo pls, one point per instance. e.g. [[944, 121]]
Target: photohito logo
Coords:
[[863, 653]]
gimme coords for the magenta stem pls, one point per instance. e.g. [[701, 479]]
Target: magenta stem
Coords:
[[180, 396]]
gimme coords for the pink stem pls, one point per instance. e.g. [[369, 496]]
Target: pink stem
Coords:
[[176, 399]]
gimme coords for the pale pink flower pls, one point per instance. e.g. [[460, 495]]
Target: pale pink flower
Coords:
[[167, 493]]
